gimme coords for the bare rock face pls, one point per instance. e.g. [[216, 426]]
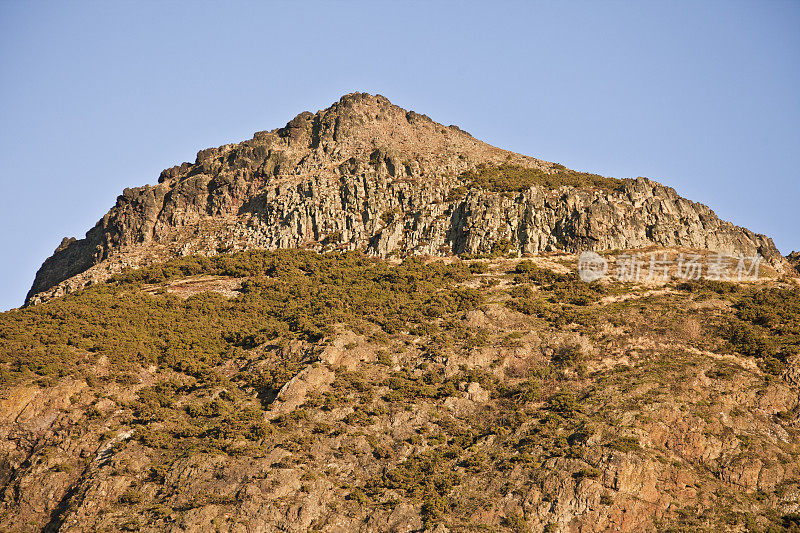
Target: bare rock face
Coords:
[[367, 174], [794, 260]]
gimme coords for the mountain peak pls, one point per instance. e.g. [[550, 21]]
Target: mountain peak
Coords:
[[359, 123], [367, 174]]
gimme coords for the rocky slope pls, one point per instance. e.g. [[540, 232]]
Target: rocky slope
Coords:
[[366, 174], [340, 393]]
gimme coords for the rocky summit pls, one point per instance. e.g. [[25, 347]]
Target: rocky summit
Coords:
[[367, 321], [366, 174]]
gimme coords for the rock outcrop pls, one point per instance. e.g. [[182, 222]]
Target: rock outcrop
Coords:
[[367, 174], [794, 260]]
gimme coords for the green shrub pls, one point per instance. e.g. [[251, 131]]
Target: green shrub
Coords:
[[516, 522], [558, 298], [587, 473], [766, 325], [289, 294], [513, 178], [522, 393], [563, 402], [567, 354], [130, 497], [709, 286], [624, 444], [456, 194], [479, 267]]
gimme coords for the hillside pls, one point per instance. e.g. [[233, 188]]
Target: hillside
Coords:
[[298, 391], [368, 321]]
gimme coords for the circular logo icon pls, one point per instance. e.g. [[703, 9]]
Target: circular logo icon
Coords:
[[591, 266]]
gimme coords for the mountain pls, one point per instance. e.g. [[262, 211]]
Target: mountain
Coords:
[[367, 321], [366, 174]]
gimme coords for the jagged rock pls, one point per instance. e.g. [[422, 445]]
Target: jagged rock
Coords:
[[338, 172], [794, 260]]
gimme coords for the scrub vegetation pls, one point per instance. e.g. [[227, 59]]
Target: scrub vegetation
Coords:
[[441, 386], [513, 178]]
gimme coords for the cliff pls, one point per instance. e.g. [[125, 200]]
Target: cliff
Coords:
[[366, 174]]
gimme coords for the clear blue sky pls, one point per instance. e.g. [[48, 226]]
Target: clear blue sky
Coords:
[[97, 96]]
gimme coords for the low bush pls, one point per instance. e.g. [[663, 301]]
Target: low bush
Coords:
[[288, 294], [513, 178], [766, 325]]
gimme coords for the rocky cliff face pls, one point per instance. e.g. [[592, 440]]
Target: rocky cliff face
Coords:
[[367, 174], [794, 260]]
